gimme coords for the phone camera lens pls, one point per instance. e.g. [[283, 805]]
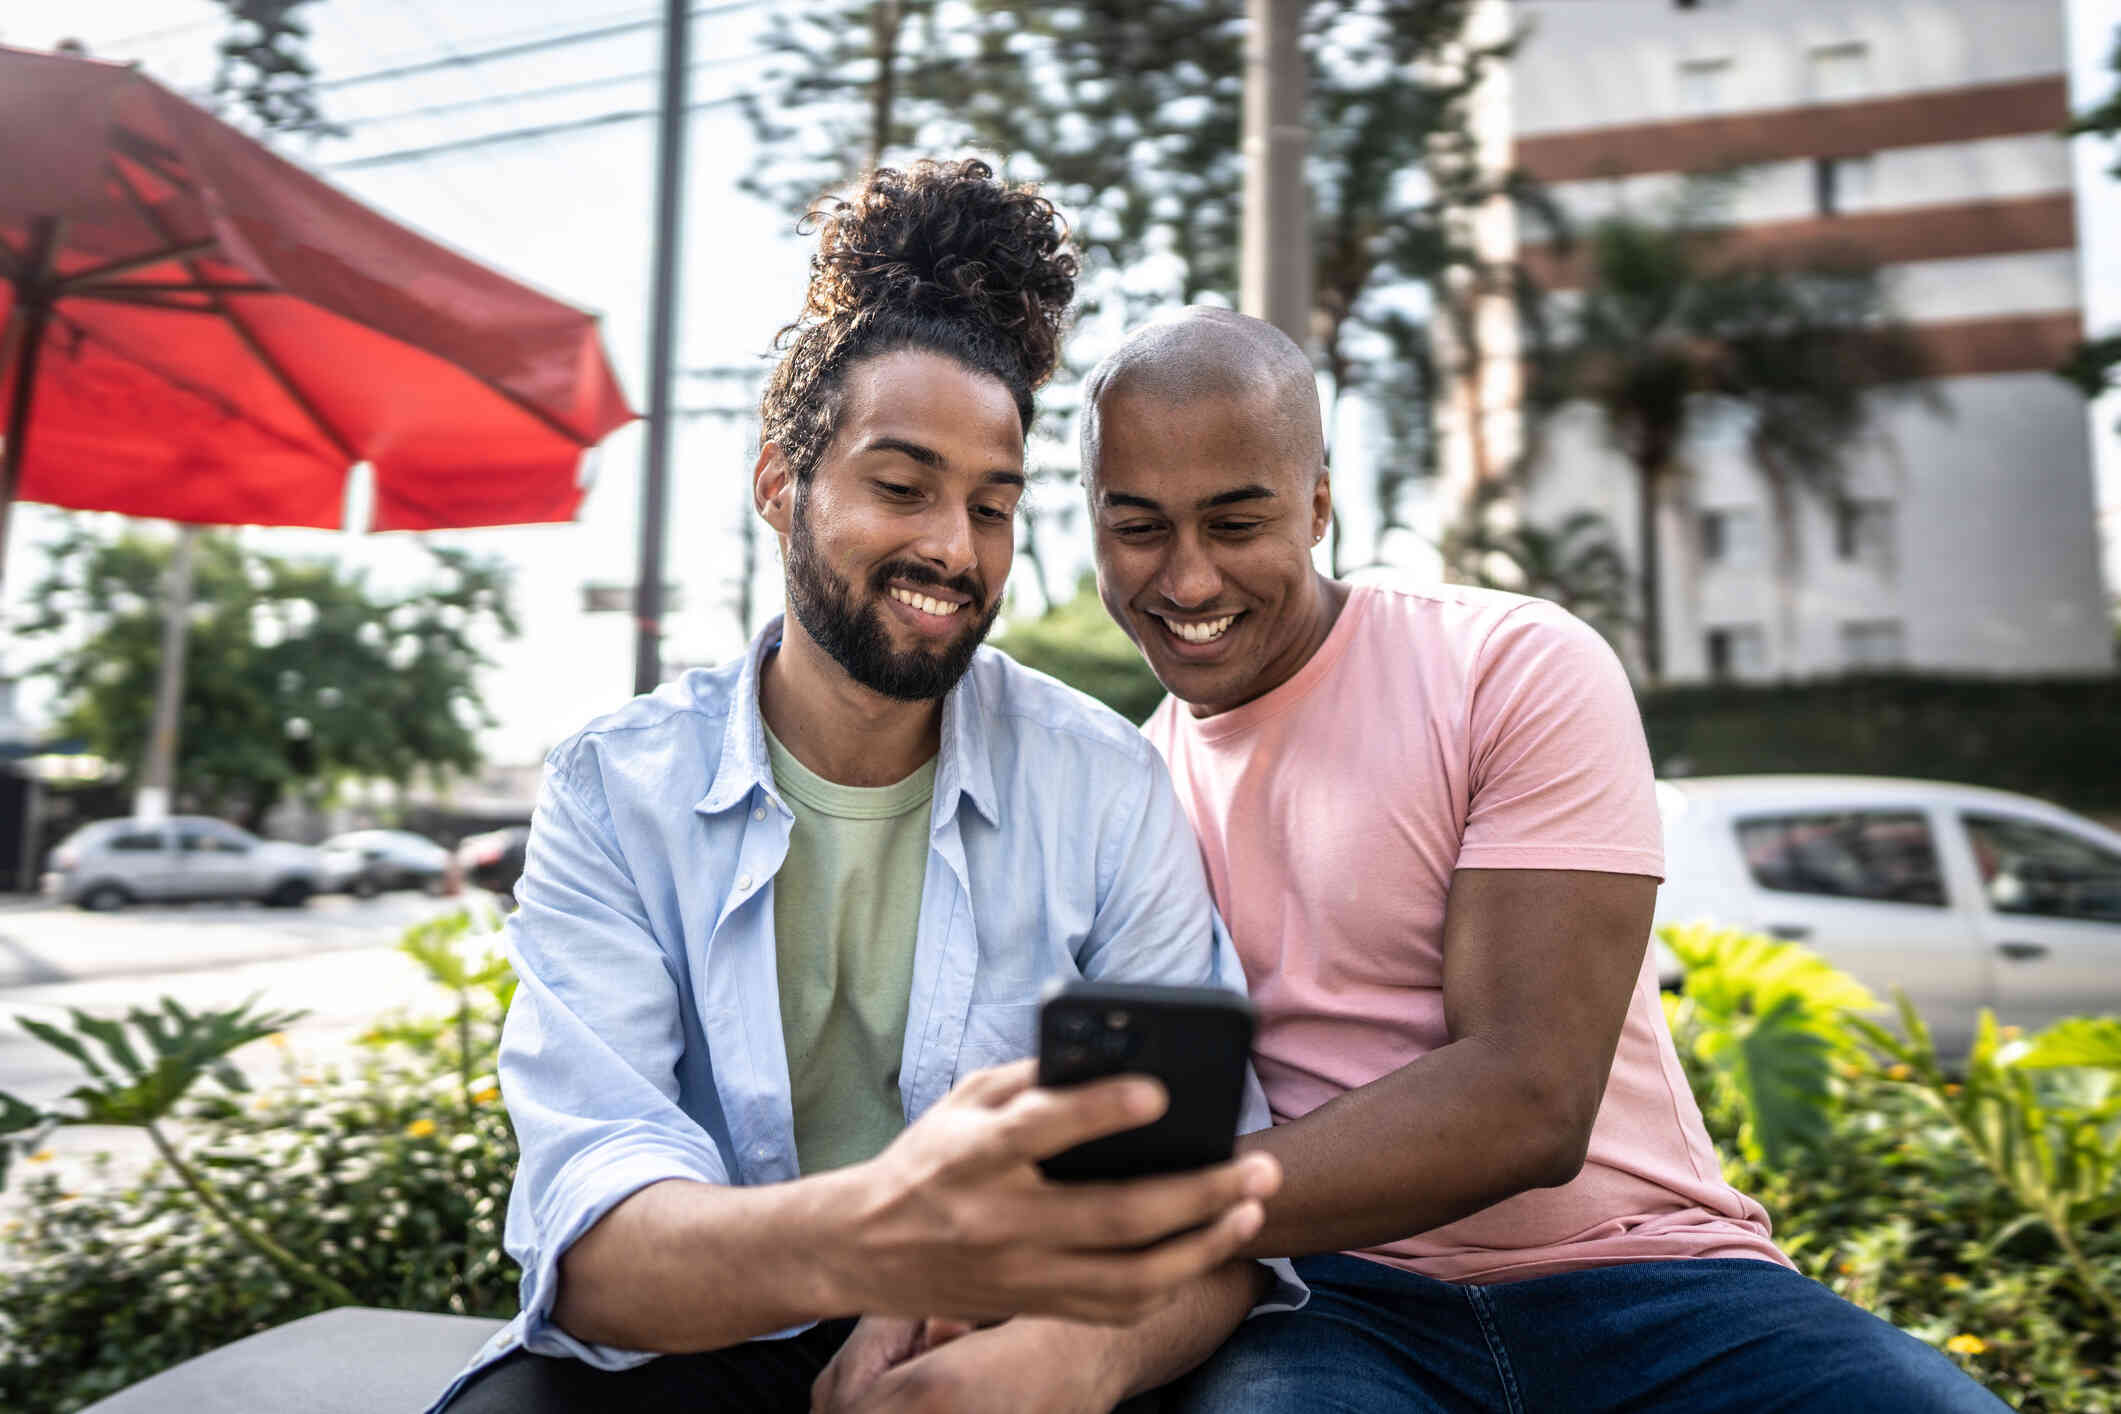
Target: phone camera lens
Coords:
[[1073, 1057], [1117, 1020], [1074, 1025]]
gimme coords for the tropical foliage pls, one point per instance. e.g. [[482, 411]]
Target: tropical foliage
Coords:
[[1675, 323]]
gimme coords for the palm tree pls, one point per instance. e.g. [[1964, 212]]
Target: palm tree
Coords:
[[1574, 563], [1673, 320]]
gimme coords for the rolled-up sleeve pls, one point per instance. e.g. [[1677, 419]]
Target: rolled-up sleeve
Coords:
[[589, 1053], [1157, 923]]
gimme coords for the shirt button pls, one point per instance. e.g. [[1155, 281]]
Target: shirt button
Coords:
[[743, 881], [759, 813]]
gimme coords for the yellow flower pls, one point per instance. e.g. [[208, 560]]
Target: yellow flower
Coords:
[[1898, 1072], [42, 1156], [1952, 1089], [1954, 1282], [1966, 1345], [1845, 1268], [491, 1092], [278, 1038], [420, 1128]]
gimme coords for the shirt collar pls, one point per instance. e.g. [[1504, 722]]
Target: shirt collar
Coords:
[[966, 769]]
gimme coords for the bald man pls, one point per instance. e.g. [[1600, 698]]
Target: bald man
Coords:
[[1430, 823]]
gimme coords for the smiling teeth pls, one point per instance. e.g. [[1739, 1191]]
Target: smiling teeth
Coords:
[[1204, 632], [925, 604]]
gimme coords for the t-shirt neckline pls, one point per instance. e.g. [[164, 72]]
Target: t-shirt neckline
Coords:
[[846, 802], [1225, 725]]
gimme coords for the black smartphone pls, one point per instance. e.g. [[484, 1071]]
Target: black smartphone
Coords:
[[1194, 1039]]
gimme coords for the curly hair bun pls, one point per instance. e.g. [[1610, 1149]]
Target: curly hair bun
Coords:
[[947, 240]]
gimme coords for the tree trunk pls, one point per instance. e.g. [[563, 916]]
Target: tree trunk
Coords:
[[884, 18], [1337, 370], [1650, 570]]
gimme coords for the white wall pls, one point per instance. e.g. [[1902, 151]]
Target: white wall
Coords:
[[1937, 174], [1994, 563], [1594, 63]]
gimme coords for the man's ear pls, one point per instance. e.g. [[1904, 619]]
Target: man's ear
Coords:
[[773, 488], [1321, 505]]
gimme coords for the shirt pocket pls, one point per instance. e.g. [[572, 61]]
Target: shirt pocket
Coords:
[[995, 1034]]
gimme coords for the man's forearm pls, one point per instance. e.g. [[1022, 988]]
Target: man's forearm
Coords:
[[1440, 1138], [682, 1266], [1128, 1360]]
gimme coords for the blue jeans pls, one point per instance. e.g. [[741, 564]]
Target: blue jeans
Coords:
[[1696, 1336]]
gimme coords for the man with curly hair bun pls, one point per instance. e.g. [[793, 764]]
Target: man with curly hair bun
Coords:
[[784, 924]]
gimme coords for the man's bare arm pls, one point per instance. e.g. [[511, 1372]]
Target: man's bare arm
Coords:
[[1539, 965], [1037, 1363], [953, 1218]]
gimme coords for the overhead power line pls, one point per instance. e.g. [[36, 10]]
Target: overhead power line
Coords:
[[528, 46], [600, 120], [522, 94]]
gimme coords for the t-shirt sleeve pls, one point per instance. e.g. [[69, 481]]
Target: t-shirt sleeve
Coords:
[[1561, 775]]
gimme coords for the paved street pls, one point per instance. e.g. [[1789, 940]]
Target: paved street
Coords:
[[335, 959]]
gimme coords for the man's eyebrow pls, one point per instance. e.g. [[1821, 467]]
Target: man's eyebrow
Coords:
[[1254, 492], [929, 457], [926, 456]]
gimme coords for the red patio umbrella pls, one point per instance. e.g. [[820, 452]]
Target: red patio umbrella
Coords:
[[198, 330]]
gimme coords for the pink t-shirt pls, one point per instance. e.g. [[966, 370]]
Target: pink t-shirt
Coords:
[[1433, 730]]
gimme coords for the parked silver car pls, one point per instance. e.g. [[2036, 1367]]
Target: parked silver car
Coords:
[[373, 861], [115, 862], [1961, 897]]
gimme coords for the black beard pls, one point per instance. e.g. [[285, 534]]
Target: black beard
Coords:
[[854, 634]]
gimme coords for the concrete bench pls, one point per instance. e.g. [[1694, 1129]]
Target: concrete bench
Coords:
[[354, 1360]]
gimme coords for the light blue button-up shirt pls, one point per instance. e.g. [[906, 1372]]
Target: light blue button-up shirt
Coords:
[[645, 1043]]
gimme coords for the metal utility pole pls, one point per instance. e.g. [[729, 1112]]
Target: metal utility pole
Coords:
[[1276, 278], [158, 776], [662, 337]]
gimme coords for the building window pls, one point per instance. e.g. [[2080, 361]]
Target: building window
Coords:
[[1875, 645], [1704, 85], [1737, 651], [1863, 533], [1885, 856], [1731, 539], [1841, 184], [1840, 72]]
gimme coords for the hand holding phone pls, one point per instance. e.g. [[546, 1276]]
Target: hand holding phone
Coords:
[[1195, 1040]]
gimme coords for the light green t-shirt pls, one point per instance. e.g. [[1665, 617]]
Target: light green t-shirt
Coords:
[[846, 907]]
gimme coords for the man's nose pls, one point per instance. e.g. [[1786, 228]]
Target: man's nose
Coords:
[[947, 542], [1190, 578]]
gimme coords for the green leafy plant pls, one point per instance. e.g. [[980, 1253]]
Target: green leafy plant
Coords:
[[139, 1085], [1762, 1023], [480, 980], [2042, 1115]]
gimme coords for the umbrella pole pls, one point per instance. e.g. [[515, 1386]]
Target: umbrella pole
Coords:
[[33, 310]]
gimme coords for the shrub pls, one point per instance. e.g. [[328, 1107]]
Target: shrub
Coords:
[[390, 1176], [1920, 1195]]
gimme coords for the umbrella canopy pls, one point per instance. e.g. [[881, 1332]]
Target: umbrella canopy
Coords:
[[195, 329]]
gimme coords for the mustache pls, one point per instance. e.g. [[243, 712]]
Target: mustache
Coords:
[[913, 572]]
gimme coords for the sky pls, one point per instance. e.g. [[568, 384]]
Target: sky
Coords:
[[571, 213]]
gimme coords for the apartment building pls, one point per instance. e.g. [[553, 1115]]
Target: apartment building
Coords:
[[1924, 134]]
